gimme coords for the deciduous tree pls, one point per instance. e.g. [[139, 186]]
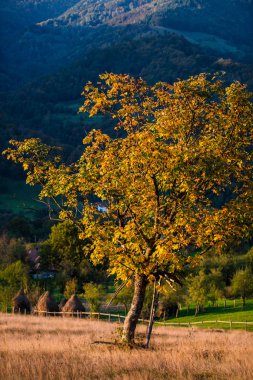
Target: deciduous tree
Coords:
[[242, 284], [180, 148]]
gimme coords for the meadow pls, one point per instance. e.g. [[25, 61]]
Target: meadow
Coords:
[[234, 312], [33, 347]]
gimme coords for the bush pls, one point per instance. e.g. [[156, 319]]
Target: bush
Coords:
[[70, 288], [94, 295]]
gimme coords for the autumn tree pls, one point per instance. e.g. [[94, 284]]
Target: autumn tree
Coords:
[[179, 149]]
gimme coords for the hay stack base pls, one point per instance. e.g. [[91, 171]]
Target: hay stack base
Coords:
[[73, 307], [21, 303]]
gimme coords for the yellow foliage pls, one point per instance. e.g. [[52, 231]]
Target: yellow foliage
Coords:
[[184, 145]]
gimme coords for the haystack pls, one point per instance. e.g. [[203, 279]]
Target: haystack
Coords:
[[73, 306], [47, 304], [21, 303], [62, 303]]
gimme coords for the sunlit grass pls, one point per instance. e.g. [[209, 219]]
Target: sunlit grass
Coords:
[[58, 348], [230, 313]]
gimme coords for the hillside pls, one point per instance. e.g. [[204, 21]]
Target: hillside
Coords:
[[51, 48], [48, 107], [21, 13], [39, 37], [209, 16]]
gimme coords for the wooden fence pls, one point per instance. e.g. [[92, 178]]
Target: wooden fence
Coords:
[[110, 317]]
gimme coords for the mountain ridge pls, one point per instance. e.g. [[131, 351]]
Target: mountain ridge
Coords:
[[211, 16]]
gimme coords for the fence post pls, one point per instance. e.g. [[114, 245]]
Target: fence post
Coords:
[[245, 325], [98, 316], [110, 317], [119, 318], [230, 325]]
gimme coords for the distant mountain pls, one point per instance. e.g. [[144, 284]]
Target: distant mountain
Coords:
[[51, 48], [20, 13], [39, 37], [207, 16]]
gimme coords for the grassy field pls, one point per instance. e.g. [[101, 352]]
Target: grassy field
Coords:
[[231, 313], [19, 198], [61, 348]]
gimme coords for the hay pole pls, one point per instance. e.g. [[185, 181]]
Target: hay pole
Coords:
[[152, 313]]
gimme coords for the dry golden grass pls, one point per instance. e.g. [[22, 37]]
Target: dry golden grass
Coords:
[[55, 348]]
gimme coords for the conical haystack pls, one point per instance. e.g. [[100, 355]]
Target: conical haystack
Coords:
[[47, 304], [21, 304], [62, 303], [73, 306]]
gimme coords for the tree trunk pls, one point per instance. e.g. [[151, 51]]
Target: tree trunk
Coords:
[[140, 284]]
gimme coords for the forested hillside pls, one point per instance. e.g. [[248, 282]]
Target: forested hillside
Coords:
[[209, 16]]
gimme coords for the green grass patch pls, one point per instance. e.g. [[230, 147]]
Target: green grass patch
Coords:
[[219, 313]]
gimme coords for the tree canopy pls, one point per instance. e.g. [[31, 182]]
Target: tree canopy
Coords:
[[242, 283], [176, 181]]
